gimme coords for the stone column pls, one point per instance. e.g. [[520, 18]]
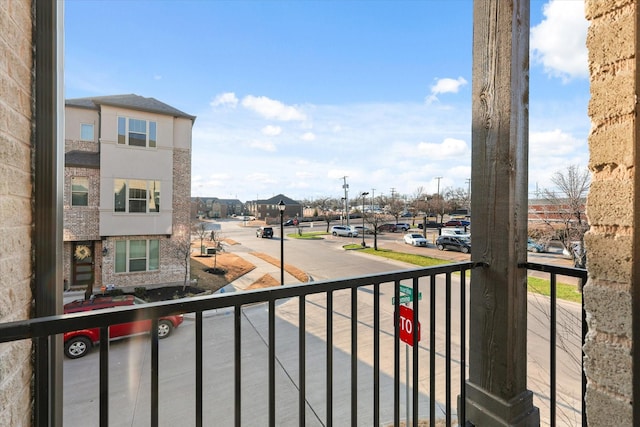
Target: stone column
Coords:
[[613, 243], [496, 390]]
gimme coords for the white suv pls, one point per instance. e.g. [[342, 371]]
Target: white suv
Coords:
[[343, 230], [403, 226]]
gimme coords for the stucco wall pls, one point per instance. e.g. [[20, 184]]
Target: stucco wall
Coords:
[[15, 206], [610, 206]]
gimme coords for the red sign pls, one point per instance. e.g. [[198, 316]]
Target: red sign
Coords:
[[406, 325]]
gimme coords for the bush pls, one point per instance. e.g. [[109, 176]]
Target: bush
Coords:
[[140, 291]]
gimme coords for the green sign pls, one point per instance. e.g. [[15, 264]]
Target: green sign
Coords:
[[406, 290], [406, 298]]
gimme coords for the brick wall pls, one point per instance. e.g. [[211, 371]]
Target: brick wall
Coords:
[[15, 206], [610, 206]]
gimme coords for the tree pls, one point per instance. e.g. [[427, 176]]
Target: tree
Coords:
[[418, 203], [201, 230], [565, 215], [324, 205], [216, 238], [456, 198], [181, 246]]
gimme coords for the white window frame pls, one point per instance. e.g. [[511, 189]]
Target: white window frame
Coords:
[[151, 257], [124, 129]]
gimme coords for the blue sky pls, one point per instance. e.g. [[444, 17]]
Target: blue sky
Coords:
[[290, 96]]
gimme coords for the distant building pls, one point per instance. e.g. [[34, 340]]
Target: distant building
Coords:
[[268, 208], [213, 207], [543, 210], [127, 190]]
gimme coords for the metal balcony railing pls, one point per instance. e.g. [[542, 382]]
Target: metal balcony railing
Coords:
[[434, 369]]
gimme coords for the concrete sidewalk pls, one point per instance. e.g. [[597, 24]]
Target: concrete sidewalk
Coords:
[[262, 267]]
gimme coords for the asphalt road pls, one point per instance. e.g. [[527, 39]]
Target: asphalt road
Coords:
[[322, 259]]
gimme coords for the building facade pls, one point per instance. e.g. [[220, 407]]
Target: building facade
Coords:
[[267, 209], [611, 301], [127, 187]]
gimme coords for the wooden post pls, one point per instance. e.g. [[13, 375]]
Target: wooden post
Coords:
[[496, 391]]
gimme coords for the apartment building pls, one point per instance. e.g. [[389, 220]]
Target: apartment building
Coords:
[[127, 180]]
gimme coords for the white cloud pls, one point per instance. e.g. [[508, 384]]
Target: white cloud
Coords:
[[445, 85], [449, 148], [272, 109], [309, 136], [225, 99], [263, 145], [271, 130], [553, 143], [559, 41]]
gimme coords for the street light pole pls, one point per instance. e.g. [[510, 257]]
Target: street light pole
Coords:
[[281, 207], [363, 196]]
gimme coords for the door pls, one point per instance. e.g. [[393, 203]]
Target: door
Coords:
[[83, 261]]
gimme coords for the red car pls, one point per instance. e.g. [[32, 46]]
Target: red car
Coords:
[[388, 227], [78, 343]]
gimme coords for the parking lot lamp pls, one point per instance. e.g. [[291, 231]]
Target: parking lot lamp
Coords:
[[364, 194], [281, 207]]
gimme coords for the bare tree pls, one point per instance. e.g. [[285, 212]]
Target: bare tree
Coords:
[[181, 247], [455, 198], [565, 212], [216, 238], [324, 206], [201, 230], [418, 203]]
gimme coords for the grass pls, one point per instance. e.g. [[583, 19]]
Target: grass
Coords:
[[420, 260], [536, 285], [310, 235], [563, 291]]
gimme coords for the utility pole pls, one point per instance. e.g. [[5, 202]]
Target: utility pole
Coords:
[[468, 181], [440, 200], [373, 199], [345, 186]]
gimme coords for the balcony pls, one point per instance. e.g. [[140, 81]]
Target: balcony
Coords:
[[275, 357]]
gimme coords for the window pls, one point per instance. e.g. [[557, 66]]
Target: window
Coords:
[[86, 132], [136, 132], [137, 255], [79, 191], [136, 196]]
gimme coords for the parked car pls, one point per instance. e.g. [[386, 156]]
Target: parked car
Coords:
[[288, 223], [461, 244], [454, 232], [532, 246], [415, 239], [579, 255], [403, 226], [431, 224], [264, 232], [388, 227], [360, 229], [78, 343], [343, 230], [457, 223]]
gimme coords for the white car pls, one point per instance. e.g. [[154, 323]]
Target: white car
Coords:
[[458, 232], [403, 226], [343, 230], [415, 239]]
